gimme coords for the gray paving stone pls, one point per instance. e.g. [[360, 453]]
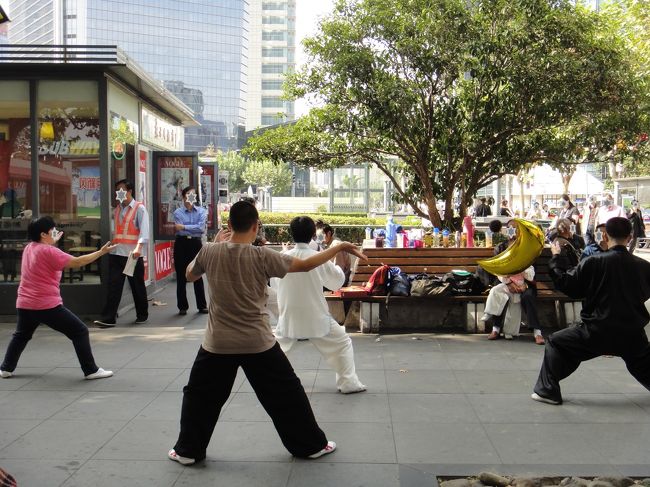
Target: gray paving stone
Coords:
[[166, 406], [106, 405], [368, 359], [243, 406], [250, 441], [374, 380], [37, 473], [35, 404], [443, 443], [514, 408], [141, 440], [491, 382], [235, 474], [349, 475], [544, 443], [103, 473], [480, 361], [22, 376], [415, 361], [431, 408], [621, 444], [422, 382], [181, 381], [598, 408], [63, 440], [359, 443], [351, 408], [307, 378], [12, 429]]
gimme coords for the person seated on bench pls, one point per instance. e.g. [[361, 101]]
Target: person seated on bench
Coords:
[[518, 288], [596, 247], [570, 244]]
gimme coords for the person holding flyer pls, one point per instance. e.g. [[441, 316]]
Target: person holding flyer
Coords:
[[131, 233]]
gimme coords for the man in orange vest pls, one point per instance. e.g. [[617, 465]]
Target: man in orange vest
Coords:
[[131, 222]]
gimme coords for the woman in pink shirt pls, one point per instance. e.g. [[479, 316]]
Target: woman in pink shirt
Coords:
[[39, 298]]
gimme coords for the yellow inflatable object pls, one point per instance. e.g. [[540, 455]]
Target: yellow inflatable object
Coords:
[[521, 254]]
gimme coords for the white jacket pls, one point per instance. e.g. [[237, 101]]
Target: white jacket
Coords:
[[301, 303]]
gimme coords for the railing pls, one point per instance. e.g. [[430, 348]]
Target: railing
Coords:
[[69, 54]]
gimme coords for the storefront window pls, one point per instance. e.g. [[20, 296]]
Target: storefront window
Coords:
[[15, 176], [68, 165]]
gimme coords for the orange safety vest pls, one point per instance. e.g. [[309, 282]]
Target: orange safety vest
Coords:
[[125, 231]]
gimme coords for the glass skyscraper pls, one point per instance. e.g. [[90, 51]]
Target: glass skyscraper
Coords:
[[197, 48]]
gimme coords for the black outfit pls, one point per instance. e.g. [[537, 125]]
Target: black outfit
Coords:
[[614, 285], [483, 210], [60, 319], [276, 385], [638, 228], [185, 249], [505, 212], [116, 277]]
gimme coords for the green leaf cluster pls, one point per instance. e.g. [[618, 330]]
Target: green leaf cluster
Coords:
[[445, 97]]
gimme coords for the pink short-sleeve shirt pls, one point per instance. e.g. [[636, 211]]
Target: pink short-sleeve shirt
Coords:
[[40, 276]]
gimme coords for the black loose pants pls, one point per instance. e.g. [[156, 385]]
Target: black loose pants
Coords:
[[276, 385], [184, 252], [116, 278], [567, 348]]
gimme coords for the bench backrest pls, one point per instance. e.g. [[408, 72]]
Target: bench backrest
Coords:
[[440, 261]]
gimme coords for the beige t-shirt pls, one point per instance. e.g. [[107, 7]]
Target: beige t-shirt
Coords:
[[238, 275]]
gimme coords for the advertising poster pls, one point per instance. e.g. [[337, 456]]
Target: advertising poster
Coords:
[[142, 177], [174, 173], [207, 192], [164, 257], [86, 188]]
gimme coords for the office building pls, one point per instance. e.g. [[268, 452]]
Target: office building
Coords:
[[196, 48], [271, 56]]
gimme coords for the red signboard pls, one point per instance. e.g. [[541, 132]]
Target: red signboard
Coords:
[[164, 254]]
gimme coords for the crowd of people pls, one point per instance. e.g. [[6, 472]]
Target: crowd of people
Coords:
[[247, 280]]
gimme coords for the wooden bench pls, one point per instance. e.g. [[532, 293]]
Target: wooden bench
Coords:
[[439, 261]]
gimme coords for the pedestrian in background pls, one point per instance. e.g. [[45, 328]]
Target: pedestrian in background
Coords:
[[190, 224], [131, 223], [39, 297], [638, 227]]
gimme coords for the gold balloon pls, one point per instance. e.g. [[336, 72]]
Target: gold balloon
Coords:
[[520, 254]]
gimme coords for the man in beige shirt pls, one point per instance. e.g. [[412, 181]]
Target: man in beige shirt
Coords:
[[238, 335]]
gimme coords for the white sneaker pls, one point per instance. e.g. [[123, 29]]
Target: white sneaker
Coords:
[[5, 374], [100, 374], [172, 455], [353, 390], [329, 448], [536, 397], [507, 337]]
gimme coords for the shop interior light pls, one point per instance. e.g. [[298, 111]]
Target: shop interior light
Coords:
[[47, 131]]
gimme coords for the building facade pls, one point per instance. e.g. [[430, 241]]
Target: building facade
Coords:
[[197, 49], [271, 56]]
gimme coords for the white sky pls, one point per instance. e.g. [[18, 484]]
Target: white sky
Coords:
[[308, 12]]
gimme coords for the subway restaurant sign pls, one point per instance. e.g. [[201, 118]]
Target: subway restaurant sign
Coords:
[[160, 133]]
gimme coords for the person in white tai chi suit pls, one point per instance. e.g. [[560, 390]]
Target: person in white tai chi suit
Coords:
[[303, 311]]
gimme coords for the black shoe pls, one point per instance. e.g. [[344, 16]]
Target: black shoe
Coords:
[[203, 311], [104, 323], [182, 312], [140, 321]]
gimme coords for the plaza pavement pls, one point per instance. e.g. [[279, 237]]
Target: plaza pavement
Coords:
[[436, 405]]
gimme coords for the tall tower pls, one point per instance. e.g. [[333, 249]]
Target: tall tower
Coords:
[[272, 51]]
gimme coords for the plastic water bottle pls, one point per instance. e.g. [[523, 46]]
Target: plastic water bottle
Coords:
[[445, 238], [391, 232], [368, 233], [436, 237]]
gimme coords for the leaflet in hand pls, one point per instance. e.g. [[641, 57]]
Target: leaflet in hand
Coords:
[[130, 265]]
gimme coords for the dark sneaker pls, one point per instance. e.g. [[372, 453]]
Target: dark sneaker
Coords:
[[182, 312], [547, 400], [204, 311], [140, 321], [329, 448], [104, 323]]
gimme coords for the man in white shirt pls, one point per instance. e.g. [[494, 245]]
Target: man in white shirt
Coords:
[[609, 210], [303, 311]]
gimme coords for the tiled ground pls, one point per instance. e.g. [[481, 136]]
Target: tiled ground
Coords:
[[435, 404]]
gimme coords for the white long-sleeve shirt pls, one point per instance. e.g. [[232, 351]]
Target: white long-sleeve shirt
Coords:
[[301, 303]]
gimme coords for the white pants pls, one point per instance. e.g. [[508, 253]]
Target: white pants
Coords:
[[497, 300], [336, 349]]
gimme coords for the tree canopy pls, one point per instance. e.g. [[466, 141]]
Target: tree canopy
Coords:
[[445, 97]]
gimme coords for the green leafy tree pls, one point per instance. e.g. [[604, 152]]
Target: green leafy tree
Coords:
[[236, 165], [460, 92], [266, 173]]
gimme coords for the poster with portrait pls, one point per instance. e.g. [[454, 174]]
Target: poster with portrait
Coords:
[[174, 174]]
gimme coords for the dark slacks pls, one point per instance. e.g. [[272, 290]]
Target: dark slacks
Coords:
[[60, 319], [276, 385], [184, 252], [116, 265], [529, 305], [567, 348]]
